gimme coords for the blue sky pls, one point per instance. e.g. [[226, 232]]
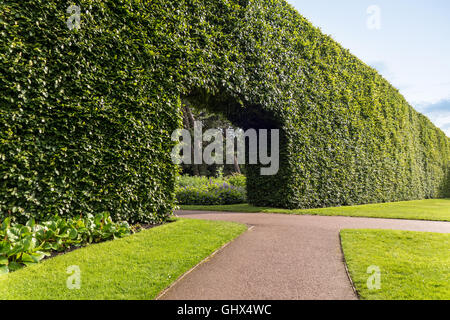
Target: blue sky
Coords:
[[411, 48]]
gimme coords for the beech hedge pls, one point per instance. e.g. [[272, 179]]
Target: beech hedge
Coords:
[[86, 114]]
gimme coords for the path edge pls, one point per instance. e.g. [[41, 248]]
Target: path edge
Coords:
[[180, 278], [346, 268], [208, 211]]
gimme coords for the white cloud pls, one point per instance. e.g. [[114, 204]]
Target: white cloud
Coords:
[[438, 113]]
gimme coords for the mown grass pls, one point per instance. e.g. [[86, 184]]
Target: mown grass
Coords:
[[433, 210], [413, 265], [136, 267]]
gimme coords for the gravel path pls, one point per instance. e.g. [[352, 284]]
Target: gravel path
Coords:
[[281, 257]]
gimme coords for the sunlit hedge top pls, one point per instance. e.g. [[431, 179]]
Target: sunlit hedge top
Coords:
[[86, 115]]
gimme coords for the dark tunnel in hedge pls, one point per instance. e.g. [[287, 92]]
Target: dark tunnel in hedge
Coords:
[[86, 115]]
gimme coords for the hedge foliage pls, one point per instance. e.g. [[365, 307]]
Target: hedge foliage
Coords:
[[86, 115]]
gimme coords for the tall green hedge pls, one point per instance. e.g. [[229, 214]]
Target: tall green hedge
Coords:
[[86, 115]]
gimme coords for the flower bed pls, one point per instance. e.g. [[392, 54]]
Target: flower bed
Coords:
[[24, 245]]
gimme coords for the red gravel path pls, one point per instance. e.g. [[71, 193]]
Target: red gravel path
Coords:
[[282, 257]]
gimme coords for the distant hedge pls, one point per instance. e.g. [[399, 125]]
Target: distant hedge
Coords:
[[86, 115]]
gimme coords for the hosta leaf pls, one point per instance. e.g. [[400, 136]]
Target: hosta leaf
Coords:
[[31, 223], [38, 256], [73, 234], [26, 258], [5, 247]]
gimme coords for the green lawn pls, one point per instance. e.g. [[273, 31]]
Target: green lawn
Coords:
[[136, 267], [413, 265], [435, 209]]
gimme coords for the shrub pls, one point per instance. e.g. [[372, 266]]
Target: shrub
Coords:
[[237, 180], [24, 245], [197, 181], [204, 191]]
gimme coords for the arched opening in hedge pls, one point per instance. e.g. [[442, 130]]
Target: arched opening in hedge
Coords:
[[262, 189]]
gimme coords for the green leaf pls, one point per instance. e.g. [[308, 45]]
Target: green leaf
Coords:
[[73, 234], [26, 258], [31, 223]]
